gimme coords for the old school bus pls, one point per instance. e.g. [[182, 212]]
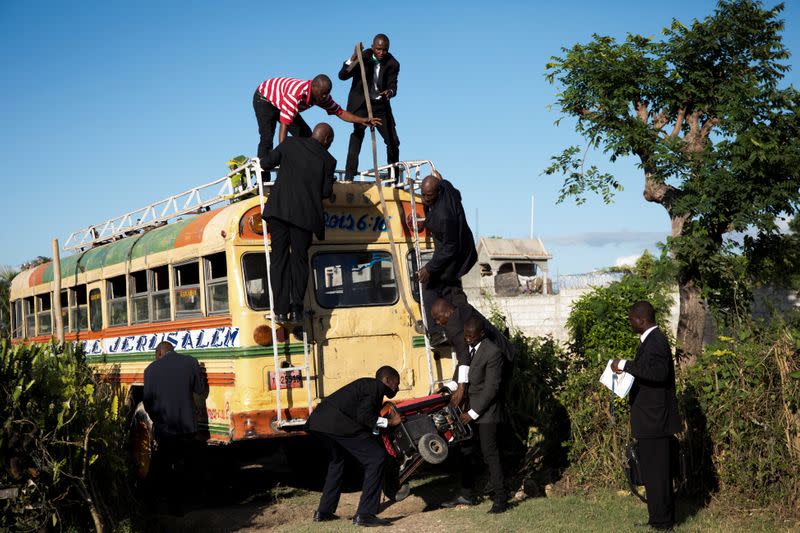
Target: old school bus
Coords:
[[192, 271]]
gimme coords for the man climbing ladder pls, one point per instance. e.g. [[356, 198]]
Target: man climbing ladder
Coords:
[[294, 212]]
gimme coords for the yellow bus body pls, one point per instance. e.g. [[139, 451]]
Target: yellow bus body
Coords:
[[358, 319]]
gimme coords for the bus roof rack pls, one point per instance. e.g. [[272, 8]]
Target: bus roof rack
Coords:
[[238, 183]]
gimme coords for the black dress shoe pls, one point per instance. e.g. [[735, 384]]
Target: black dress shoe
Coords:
[[436, 338], [498, 507], [319, 516], [370, 520], [297, 315], [280, 318], [461, 500]]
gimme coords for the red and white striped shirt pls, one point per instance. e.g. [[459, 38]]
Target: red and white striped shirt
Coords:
[[292, 96]]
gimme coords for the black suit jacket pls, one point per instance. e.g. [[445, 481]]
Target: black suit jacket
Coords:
[[485, 379], [454, 246], [654, 404], [351, 410], [169, 383], [387, 79], [305, 177], [454, 331]]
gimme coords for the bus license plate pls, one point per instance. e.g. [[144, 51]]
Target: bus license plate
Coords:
[[289, 380]]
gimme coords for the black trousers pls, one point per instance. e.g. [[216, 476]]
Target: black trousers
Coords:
[[654, 458], [486, 437], [173, 464], [268, 116], [450, 290], [367, 449], [386, 129], [288, 263]]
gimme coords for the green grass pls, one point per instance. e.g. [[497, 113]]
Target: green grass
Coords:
[[597, 511]]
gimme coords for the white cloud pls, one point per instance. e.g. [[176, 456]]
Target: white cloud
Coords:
[[627, 260], [604, 238]]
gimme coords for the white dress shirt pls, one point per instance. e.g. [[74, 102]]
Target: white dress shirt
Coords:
[[473, 350]]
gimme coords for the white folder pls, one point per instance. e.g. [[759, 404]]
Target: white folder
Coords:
[[619, 384]]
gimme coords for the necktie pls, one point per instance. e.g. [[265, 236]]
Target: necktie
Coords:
[[471, 352]]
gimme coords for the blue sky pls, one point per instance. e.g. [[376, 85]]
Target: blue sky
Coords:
[[108, 106]]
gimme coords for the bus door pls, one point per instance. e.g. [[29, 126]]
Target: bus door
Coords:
[[357, 315]]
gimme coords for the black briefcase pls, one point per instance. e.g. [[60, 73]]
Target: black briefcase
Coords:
[[633, 469]]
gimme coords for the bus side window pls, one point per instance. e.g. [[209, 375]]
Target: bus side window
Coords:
[[43, 314], [424, 256], [30, 317], [117, 296], [159, 293], [79, 316], [95, 310], [16, 321], [140, 303], [216, 283], [254, 267], [65, 309], [354, 279], [187, 290]]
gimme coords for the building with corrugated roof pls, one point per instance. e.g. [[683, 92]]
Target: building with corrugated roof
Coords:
[[508, 267]]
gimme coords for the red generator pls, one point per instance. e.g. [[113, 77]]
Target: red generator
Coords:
[[430, 426]]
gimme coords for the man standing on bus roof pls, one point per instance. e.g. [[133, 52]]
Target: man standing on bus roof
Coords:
[[282, 100], [169, 385], [381, 73], [294, 212], [454, 247], [348, 421]]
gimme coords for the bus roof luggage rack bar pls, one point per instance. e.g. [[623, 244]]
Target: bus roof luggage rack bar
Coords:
[[241, 181], [405, 174]]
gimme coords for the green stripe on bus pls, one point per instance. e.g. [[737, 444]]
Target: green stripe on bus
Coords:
[[214, 427], [418, 341], [202, 355]]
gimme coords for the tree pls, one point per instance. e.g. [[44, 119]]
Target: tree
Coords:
[[33, 263], [717, 139], [7, 274]]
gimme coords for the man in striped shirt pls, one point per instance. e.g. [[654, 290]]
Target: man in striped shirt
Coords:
[[282, 100]]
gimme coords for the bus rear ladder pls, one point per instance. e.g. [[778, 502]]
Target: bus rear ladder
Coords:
[[281, 423]]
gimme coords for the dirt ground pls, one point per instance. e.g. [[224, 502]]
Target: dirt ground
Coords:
[[286, 508], [252, 488]]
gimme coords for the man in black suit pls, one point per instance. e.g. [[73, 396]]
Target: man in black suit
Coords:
[[453, 319], [348, 420], [169, 385], [654, 412], [294, 212], [486, 411], [381, 73], [454, 247]]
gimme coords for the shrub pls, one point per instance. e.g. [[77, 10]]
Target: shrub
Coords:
[[536, 417], [741, 401], [61, 441]]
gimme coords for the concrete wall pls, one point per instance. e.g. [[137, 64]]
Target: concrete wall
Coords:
[[534, 315], [539, 315]]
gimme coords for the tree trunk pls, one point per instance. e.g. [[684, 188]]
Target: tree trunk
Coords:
[[691, 321], [692, 313]]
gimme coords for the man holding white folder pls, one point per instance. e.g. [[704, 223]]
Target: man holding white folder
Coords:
[[654, 412]]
